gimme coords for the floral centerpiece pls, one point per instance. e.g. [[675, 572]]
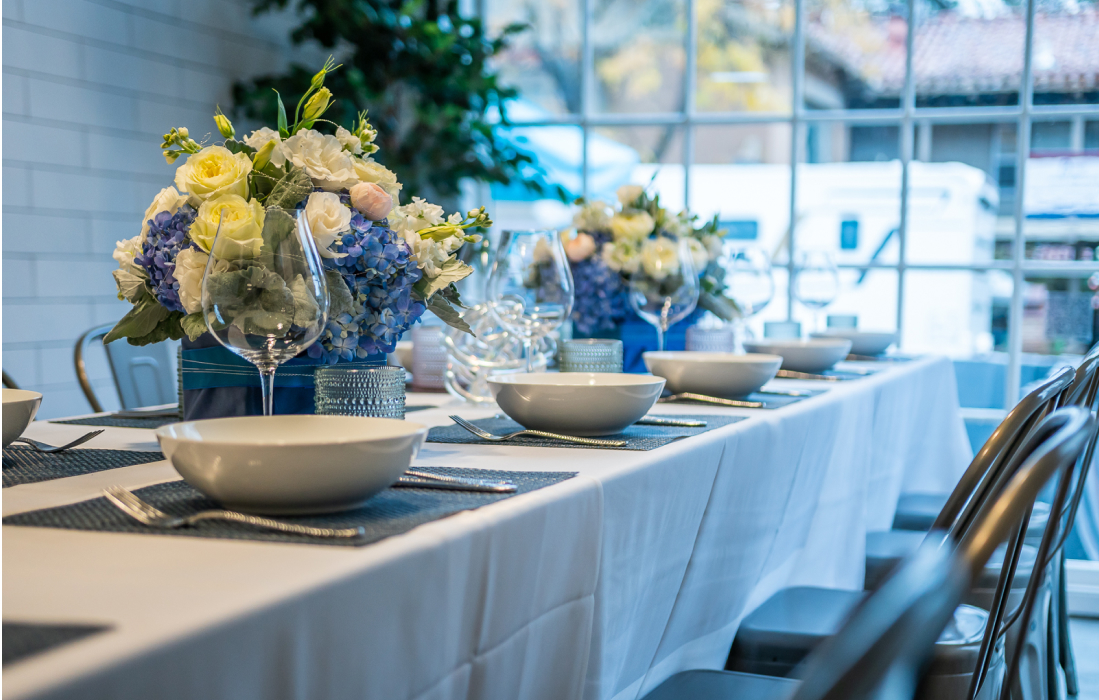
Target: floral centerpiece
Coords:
[[385, 264], [612, 242]]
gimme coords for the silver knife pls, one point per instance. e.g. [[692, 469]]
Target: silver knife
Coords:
[[687, 396], [671, 422], [464, 485]]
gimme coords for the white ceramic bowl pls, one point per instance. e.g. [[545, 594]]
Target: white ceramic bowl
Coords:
[[713, 373], [862, 342], [19, 409], [402, 355], [814, 355], [291, 464], [576, 403]]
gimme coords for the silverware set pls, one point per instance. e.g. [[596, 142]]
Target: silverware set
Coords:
[[715, 400], [490, 437]]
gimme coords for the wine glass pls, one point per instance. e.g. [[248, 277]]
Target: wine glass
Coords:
[[664, 289], [750, 283], [530, 287], [264, 294], [817, 283]]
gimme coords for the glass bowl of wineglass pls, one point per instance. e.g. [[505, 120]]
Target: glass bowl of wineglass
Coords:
[[264, 294], [749, 282], [530, 287], [664, 289], [817, 282]]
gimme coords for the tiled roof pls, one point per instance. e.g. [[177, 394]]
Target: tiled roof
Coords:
[[957, 55]]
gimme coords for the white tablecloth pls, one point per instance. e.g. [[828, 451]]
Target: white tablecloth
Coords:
[[598, 587]]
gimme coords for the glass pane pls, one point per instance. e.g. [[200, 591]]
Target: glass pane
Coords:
[[637, 155], [854, 55], [1091, 136], [1059, 315], [957, 313], [1050, 137], [640, 55], [744, 56], [850, 209], [742, 174], [1062, 208], [961, 58], [543, 61], [871, 295], [556, 152], [1064, 57]]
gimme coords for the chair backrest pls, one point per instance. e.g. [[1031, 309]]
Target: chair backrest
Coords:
[[1055, 447], [973, 489], [9, 382], [142, 375], [881, 649]]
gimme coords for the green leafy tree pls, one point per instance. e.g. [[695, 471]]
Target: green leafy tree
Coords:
[[421, 69]]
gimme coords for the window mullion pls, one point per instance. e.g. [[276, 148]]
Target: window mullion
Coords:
[[797, 76]]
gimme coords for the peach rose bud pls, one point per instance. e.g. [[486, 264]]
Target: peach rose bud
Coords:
[[371, 200], [580, 248]]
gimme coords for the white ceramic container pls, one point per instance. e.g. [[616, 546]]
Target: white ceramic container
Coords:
[[402, 355], [576, 403], [813, 355], [862, 342], [291, 464], [19, 409], [713, 373]]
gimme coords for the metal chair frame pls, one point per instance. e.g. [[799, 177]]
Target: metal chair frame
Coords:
[[82, 343]]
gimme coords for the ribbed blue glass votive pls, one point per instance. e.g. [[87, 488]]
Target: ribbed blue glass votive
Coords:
[[376, 392], [591, 355]]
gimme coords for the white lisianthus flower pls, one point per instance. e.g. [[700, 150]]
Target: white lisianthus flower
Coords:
[[212, 172], [259, 138], [124, 252], [628, 194], [417, 215], [169, 200], [368, 170], [580, 247], [594, 216], [350, 141], [699, 255], [660, 257], [190, 267], [322, 158], [715, 246], [328, 218], [622, 257], [633, 226], [241, 223]]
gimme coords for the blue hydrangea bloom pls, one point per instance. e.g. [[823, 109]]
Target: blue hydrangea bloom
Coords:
[[600, 303], [167, 237], [379, 271]]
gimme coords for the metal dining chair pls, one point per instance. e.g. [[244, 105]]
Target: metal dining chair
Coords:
[[9, 382], [142, 375], [788, 626], [883, 646]]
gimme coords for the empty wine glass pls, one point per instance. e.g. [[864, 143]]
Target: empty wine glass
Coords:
[[749, 282], [264, 295], [664, 289], [817, 283], [530, 287]]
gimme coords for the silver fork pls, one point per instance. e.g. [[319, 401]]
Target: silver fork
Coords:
[[485, 435], [150, 515], [688, 396], [50, 449]]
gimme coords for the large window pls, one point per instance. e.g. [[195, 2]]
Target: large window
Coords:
[[946, 153]]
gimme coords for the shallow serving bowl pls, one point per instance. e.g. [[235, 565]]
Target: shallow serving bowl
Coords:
[[813, 355], [291, 464], [713, 373], [19, 409], [576, 403], [862, 342]]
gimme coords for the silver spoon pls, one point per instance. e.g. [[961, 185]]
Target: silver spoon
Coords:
[[50, 449]]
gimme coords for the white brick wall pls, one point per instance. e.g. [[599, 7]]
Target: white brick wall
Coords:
[[89, 88]]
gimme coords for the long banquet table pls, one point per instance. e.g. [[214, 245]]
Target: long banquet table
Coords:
[[597, 587]]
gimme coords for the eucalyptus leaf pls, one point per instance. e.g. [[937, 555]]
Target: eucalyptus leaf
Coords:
[[453, 270], [167, 328], [720, 306], [193, 325], [291, 189], [277, 226], [235, 146], [141, 320], [448, 314], [307, 311], [340, 300], [131, 287]]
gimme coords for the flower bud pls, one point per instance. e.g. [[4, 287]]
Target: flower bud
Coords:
[[224, 125], [371, 201], [263, 155], [317, 105], [183, 133]]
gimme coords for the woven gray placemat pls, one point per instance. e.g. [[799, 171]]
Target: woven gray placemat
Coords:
[[392, 512], [637, 437], [24, 639], [113, 422], [25, 465], [769, 401]]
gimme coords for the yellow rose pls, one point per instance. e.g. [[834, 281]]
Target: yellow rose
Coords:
[[212, 172], [660, 257], [632, 227], [241, 226]]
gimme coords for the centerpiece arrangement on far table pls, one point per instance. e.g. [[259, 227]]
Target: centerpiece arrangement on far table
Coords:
[[384, 264]]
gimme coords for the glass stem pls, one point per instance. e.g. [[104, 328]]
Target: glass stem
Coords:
[[659, 337], [528, 352], [267, 385]]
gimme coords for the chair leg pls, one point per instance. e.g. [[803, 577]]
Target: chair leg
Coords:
[[1067, 659]]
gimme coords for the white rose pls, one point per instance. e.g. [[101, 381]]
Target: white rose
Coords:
[[328, 218], [190, 267], [628, 194], [212, 172], [660, 257], [699, 255], [124, 252], [350, 141], [168, 199], [621, 257], [594, 216], [632, 227], [367, 170], [322, 158], [259, 138]]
